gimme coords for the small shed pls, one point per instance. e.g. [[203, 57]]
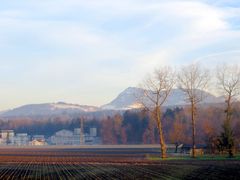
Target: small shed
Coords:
[[37, 142]]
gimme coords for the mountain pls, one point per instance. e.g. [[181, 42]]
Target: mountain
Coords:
[[48, 109], [131, 98], [128, 99]]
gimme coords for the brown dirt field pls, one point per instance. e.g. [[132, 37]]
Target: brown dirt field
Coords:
[[107, 163]]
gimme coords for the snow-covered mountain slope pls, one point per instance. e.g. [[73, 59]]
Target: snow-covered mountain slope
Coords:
[[132, 98], [49, 109], [128, 99]]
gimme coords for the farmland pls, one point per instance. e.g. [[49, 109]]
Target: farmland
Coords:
[[107, 163]]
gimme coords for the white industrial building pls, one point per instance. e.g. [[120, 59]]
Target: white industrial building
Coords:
[[93, 132], [21, 139], [76, 136], [62, 137], [67, 137], [7, 137]]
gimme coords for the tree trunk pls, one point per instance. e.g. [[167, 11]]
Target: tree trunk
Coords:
[[193, 130], [161, 137], [229, 109], [228, 124]]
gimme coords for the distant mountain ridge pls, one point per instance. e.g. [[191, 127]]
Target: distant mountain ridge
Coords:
[[129, 99], [47, 109]]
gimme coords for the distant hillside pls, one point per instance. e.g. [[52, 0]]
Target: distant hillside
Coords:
[[47, 109]]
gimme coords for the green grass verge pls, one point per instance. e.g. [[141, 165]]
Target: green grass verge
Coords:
[[188, 157]]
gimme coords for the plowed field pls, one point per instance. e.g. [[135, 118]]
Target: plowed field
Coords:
[[106, 163]]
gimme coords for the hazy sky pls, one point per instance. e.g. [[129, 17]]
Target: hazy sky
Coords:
[[88, 51]]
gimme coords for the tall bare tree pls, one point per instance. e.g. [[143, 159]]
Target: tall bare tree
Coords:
[[157, 88], [228, 77], [193, 79]]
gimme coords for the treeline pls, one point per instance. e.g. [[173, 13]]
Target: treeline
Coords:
[[139, 128]]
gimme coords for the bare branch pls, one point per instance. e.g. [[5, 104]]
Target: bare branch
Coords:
[[193, 79], [228, 77]]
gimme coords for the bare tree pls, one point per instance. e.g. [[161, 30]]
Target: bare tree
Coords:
[[228, 77], [193, 79], [157, 88]]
